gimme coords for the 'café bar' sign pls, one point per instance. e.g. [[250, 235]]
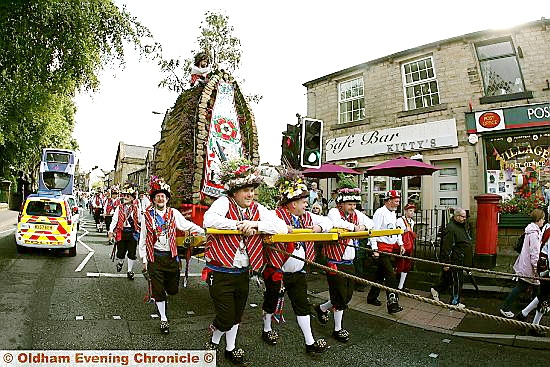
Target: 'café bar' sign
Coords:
[[412, 138]]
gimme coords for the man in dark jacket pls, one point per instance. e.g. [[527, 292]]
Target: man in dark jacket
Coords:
[[456, 249]]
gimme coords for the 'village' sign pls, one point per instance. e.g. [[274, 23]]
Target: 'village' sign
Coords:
[[412, 138]]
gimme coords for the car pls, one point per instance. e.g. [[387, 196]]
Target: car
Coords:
[[75, 210], [46, 221]]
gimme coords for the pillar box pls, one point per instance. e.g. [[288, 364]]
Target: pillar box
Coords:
[[486, 230]]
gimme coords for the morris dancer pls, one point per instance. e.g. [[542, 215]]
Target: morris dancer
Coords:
[[403, 266], [111, 203], [158, 249], [125, 229], [287, 274], [97, 211], [385, 218], [230, 257], [340, 256]]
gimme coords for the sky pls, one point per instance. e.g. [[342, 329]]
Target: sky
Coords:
[[284, 45]]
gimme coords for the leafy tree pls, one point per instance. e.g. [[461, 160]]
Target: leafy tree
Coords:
[[49, 50], [216, 38]]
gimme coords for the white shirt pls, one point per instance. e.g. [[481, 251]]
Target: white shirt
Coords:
[[385, 219], [400, 223], [215, 217], [293, 265], [339, 222], [181, 223]]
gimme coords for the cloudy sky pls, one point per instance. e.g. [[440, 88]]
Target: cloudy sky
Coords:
[[284, 43]]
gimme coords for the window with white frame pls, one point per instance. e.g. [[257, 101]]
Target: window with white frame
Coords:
[[499, 68], [351, 101], [420, 84]]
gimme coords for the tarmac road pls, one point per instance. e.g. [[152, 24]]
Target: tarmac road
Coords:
[[52, 301]]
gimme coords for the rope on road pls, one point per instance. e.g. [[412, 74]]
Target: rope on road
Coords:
[[418, 297]]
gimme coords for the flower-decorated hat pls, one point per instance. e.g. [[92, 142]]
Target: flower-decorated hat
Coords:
[[347, 190], [239, 173], [128, 189], [156, 185], [292, 186]]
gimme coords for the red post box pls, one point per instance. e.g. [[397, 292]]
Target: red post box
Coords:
[[486, 230]]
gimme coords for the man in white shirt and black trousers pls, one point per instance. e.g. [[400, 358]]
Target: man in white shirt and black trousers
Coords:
[[230, 258], [158, 249], [385, 217], [286, 274]]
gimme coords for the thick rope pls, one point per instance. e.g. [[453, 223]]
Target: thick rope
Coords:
[[418, 297], [487, 271]]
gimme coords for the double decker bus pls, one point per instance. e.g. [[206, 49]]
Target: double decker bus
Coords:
[[57, 168]]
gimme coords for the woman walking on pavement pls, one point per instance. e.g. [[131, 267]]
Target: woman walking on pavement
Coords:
[[542, 301], [526, 263]]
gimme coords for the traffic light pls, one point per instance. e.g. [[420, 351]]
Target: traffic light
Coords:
[[290, 153], [312, 134]]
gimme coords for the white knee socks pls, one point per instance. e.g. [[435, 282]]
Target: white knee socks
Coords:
[[267, 321], [217, 336], [402, 277], [538, 317], [230, 337], [131, 264], [303, 322], [161, 306], [326, 306], [338, 316]]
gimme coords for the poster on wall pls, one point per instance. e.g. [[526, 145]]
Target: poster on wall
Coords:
[[518, 164]]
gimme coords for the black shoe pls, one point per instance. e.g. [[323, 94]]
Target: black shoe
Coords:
[[321, 316], [533, 332], [210, 345], [236, 356], [374, 302], [341, 335], [119, 267], [519, 316], [360, 288], [319, 346], [270, 337], [406, 290], [164, 327], [394, 308], [130, 275]]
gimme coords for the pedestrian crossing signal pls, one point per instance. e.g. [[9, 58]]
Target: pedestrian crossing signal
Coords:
[[312, 134]]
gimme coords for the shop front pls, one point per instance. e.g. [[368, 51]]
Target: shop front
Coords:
[[421, 141], [516, 149]]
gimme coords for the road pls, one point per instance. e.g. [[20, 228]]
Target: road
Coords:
[[52, 301]]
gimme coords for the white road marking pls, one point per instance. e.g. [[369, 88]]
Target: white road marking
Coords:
[[7, 231], [123, 275], [88, 257]]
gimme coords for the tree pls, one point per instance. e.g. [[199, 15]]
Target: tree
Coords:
[[49, 50], [216, 38]]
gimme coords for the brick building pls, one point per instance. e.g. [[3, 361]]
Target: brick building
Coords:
[[476, 105]]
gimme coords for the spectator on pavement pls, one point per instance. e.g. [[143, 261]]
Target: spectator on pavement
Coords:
[[456, 249], [526, 263]]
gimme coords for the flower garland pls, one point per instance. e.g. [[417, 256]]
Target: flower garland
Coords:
[[239, 172]]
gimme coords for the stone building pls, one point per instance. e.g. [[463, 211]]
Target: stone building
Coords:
[[129, 158], [475, 105]]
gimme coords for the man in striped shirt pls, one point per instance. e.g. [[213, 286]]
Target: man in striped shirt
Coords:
[[230, 258]]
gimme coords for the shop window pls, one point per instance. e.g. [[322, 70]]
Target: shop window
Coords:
[[517, 164], [499, 68], [420, 84], [351, 101]]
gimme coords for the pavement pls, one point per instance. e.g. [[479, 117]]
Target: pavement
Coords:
[[424, 315]]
